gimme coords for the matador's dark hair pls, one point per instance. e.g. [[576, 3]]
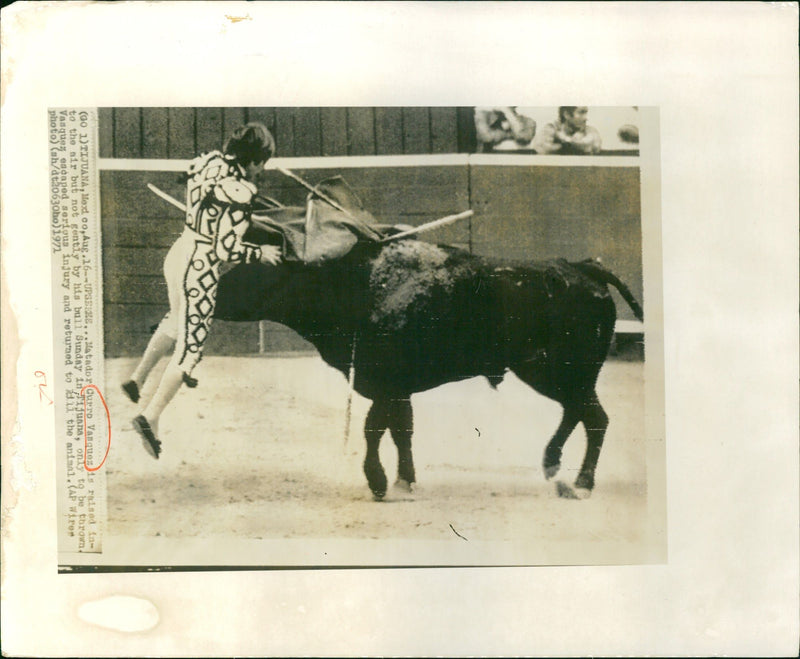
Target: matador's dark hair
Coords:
[[250, 143]]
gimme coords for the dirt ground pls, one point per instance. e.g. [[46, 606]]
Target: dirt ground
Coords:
[[257, 454]]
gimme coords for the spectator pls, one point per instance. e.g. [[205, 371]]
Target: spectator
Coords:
[[629, 134], [570, 135], [496, 125]]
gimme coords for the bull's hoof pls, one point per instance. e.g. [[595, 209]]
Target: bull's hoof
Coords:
[[567, 491], [585, 481], [376, 479], [406, 486], [551, 470], [551, 462]]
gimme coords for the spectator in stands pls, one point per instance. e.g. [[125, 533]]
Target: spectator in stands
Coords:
[[496, 125], [218, 206], [629, 134], [570, 135]]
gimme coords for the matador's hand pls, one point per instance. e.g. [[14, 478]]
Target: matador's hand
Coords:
[[270, 254]]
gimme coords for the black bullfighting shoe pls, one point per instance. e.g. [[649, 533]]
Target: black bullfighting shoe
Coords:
[[149, 441], [189, 381], [131, 390]]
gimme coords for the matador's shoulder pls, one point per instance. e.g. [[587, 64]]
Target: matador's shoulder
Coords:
[[212, 166]]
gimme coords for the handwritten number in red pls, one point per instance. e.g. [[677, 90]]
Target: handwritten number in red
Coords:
[[42, 386]]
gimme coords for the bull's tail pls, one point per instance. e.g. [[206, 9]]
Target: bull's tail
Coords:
[[596, 271]]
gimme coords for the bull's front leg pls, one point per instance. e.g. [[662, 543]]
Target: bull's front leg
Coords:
[[375, 425], [401, 425]]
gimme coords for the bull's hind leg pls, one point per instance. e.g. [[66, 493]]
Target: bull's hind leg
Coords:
[[595, 420], [376, 423], [543, 382], [579, 407], [401, 425], [552, 454]]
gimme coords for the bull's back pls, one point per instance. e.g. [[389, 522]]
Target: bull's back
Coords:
[[480, 317], [422, 315]]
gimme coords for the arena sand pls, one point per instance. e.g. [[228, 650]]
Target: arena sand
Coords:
[[258, 453]]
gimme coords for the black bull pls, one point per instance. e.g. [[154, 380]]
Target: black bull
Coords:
[[422, 315]]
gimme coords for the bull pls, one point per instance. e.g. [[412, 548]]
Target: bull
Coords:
[[406, 316]]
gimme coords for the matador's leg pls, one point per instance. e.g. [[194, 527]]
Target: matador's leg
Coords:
[[196, 306]]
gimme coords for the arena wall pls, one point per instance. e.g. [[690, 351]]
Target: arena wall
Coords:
[[409, 165], [299, 132], [573, 208]]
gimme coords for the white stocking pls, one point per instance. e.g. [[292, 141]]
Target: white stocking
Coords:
[[171, 381], [160, 344]]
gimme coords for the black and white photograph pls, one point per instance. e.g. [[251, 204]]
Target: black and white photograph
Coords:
[[400, 329], [374, 287]]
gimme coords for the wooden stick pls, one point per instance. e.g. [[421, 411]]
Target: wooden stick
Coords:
[[442, 221], [178, 204], [166, 197], [410, 232], [429, 225], [313, 189], [268, 200], [351, 377]]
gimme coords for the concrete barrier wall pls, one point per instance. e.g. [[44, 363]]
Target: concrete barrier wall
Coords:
[[572, 208], [575, 212], [306, 131]]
